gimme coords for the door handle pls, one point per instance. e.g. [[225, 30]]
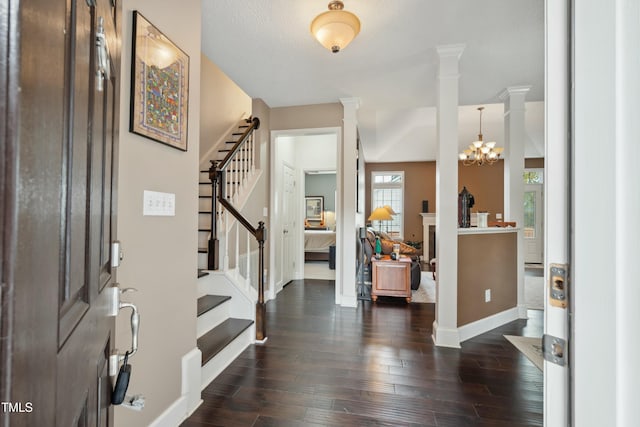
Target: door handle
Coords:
[[103, 70], [135, 325], [115, 306]]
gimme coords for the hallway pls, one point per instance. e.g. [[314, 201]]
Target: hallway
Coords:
[[376, 365]]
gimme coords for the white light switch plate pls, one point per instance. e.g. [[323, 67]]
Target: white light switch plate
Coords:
[[158, 204]]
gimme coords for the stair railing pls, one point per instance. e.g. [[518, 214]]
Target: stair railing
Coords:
[[225, 184]]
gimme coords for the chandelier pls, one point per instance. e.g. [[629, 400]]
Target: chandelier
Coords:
[[480, 152], [336, 28]]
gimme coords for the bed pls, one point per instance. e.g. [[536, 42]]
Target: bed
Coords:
[[317, 243]]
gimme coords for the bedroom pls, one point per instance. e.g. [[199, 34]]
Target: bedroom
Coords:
[[319, 224]]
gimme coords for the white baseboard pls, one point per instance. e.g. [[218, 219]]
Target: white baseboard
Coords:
[[488, 323], [349, 301], [191, 366], [173, 415], [443, 337], [522, 311]]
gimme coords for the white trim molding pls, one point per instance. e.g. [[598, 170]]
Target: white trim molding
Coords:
[[481, 326], [443, 337]]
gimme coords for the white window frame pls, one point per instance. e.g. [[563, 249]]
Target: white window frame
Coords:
[[395, 185]]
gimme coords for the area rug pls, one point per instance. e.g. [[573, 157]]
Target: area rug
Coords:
[[534, 292], [427, 290], [530, 347]]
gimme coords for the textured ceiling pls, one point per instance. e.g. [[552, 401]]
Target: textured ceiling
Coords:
[[267, 49]]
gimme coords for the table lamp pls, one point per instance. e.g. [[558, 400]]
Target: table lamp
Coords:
[[380, 214]]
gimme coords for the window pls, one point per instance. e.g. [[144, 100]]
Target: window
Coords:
[[531, 176], [387, 188]]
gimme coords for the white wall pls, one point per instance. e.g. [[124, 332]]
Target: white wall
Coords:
[[160, 253]]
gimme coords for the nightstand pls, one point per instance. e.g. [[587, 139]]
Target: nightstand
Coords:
[[391, 278]]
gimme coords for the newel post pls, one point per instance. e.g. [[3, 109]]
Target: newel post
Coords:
[[261, 330], [213, 249]]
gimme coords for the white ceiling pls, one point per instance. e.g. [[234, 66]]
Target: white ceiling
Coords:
[[267, 49]]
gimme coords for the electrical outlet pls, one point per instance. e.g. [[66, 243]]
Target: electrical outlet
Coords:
[[498, 216], [487, 295]]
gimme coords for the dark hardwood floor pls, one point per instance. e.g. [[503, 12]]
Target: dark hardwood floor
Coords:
[[371, 366]]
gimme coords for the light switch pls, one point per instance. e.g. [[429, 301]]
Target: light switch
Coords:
[[158, 204]]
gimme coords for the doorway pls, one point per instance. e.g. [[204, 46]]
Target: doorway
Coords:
[[303, 151], [320, 186]]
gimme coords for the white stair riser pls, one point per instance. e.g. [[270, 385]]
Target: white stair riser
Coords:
[[202, 261], [215, 366], [212, 318]]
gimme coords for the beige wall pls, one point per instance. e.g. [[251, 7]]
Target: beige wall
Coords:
[[537, 162], [307, 116], [420, 184], [160, 252], [486, 261], [486, 183], [222, 102]]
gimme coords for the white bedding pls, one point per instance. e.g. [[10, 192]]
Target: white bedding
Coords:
[[318, 240]]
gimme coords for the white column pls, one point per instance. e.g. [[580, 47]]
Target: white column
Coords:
[[514, 138], [445, 327], [346, 245]]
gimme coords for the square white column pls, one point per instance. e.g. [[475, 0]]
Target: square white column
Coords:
[[515, 135], [347, 234], [445, 326]]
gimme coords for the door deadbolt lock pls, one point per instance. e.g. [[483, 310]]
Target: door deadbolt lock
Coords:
[[558, 285]]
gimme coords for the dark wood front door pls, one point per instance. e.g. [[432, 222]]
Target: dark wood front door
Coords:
[[60, 107]]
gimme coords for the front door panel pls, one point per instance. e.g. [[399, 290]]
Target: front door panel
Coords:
[[86, 331], [62, 125]]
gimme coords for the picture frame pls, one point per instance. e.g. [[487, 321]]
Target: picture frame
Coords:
[[159, 86], [314, 208]]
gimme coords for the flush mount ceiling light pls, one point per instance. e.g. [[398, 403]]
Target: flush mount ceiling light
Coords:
[[336, 28], [480, 152]]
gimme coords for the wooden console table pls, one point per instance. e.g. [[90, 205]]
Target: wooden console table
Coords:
[[391, 278]]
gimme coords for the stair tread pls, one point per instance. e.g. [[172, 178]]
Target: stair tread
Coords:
[[202, 273], [219, 337], [209, 302], [204, 197], [204, 212], [202, 250], [204, 229]]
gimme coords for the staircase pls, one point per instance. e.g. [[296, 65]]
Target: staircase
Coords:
[[231, 301]]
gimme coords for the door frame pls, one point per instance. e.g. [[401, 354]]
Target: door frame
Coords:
[[289, 273], [274, 216], [557, 197]]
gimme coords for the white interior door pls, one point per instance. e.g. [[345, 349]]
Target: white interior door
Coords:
[[288, 224], [533, 223]]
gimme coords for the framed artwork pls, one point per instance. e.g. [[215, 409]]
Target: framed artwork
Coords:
[[159, 86], [314, 208]]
